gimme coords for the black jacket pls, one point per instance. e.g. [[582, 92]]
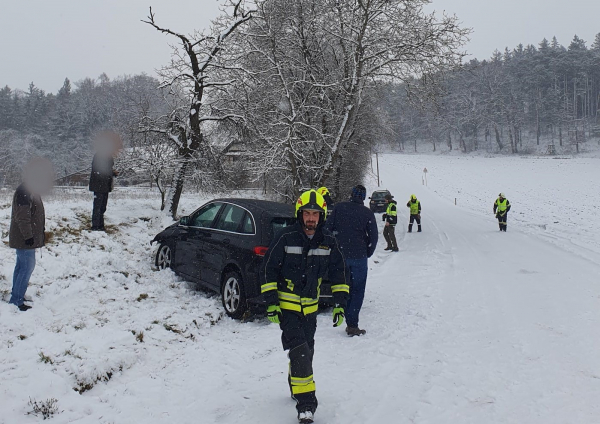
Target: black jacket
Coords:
[[101, 179], [295, 265], [355, 228]]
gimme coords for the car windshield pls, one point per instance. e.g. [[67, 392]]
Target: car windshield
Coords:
[[379, 195]]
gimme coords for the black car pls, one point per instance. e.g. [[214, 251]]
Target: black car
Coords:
[[221, 246], [377, 202]]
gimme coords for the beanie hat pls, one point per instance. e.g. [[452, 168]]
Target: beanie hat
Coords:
[[359, 192]]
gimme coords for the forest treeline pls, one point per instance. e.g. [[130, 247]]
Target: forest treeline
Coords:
[[518, 101], [284, 96]]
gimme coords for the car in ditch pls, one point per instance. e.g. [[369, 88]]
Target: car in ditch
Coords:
[[377, 201], [221, 246]]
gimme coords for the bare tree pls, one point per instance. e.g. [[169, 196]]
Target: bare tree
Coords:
[[192, 78], [308, 68]]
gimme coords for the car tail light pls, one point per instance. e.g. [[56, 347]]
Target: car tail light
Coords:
[[260, 250]]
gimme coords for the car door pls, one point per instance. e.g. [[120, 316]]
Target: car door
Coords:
[[223, 243], [189, 249]]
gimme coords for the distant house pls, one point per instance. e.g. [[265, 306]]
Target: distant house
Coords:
[[234, 153], [76, 179]]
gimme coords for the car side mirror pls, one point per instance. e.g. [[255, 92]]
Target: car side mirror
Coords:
[[185, 220]]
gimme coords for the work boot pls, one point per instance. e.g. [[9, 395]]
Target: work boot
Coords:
[[395, 249], [355, 331], [410, 228], [388, 248], [24, 307], [306, 417], [419, 230]]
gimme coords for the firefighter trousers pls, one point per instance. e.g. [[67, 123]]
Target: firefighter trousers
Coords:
[[502, 220], [414, 218], [298, 337]]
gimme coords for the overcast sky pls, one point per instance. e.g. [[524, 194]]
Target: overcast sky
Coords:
[[45, 41]]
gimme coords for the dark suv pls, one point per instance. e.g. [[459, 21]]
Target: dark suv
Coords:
[[221, 246], [377, 202]]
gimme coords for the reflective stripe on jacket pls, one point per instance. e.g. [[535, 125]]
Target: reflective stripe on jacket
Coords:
[[294, 267]]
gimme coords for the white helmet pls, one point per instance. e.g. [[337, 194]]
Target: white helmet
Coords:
[[501, 195]]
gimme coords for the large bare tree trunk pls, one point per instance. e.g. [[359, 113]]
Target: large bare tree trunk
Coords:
[[498, 139]]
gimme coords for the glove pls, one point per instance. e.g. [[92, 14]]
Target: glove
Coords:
[[274, 314], [419, 215], [384, 217], [338, 315], [29, 241]]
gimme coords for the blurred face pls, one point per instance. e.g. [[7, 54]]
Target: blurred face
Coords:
[[311, 220], [38, 176]]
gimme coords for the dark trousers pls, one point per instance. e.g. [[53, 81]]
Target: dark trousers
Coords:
[[358, 273], [100, 202], [414, 218], [389, 233], [298, 336], [502, 220]]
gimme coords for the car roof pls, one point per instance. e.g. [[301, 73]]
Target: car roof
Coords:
[[381, 191], [258, 206]]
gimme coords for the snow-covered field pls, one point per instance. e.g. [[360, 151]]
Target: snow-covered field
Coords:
[[465, 324]]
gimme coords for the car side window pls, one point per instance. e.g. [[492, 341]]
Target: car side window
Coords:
[[247, 224], [231, 218], [205, 216]]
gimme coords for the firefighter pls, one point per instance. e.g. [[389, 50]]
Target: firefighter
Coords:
[[415, 212], [391, 219], [298, 259], [324, 191], [501, 208]]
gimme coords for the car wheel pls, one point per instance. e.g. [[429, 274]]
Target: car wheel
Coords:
[[164, 257], [233, 295]]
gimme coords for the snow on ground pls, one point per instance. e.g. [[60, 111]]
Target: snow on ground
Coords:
[[465, 324]]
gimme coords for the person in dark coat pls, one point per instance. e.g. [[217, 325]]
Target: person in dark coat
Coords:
[[27, 224], [355, 228], [299, 258], [101, 178]]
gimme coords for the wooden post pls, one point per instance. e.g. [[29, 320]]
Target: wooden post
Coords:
[[377, 158]]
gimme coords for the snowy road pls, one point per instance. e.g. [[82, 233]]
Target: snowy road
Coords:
[[465, 325]]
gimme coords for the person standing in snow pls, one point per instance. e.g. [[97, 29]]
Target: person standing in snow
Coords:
[[355, 228], [391, 219], [299, 258], [324, 191], [108, 145], [415, 212], [27, 224], [501, 208]]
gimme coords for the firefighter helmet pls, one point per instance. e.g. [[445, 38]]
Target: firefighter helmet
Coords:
[[323, 191], [413, 197], [311, 200]]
